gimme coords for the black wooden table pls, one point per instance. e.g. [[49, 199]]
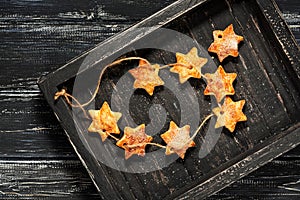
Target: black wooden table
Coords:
[[39, 36]]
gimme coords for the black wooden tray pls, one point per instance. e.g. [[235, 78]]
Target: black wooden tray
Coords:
[[268, 79]]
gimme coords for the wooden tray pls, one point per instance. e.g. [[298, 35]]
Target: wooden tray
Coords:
[[268, 79]]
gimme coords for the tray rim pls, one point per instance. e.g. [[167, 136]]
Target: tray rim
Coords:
[[49, 83]]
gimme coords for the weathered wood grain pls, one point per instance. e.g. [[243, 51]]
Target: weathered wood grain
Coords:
[[36, 159]]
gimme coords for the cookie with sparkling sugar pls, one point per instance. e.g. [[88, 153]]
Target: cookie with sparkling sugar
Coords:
[[219, 84], [178, 139], [134, 141], [229, 114], [146, 76], [188, 65], [225, 43], [104, 121]]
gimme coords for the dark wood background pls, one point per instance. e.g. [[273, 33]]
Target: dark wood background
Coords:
[[39, 36]]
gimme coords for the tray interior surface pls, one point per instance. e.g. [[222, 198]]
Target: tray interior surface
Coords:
[[265, 80]]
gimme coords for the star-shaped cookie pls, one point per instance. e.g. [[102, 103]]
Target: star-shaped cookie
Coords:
[[178, 139], [104, 121], [219, 84], [229, 114], [225, 43], [146, 76], [189, 65], [134, 141]]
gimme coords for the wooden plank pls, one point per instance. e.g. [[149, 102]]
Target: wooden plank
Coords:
[[41, 179]]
